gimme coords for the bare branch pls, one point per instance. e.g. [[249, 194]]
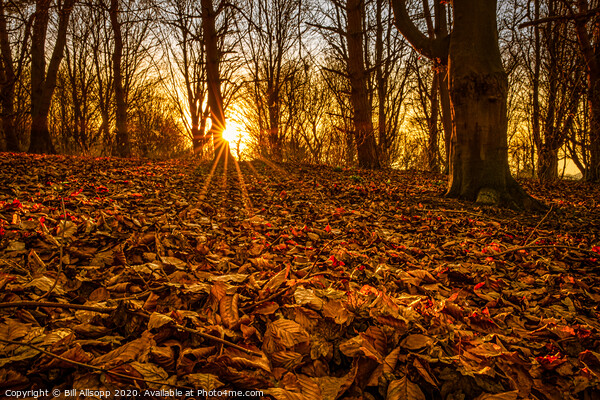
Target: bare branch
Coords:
[[428, 47], [581, 15]]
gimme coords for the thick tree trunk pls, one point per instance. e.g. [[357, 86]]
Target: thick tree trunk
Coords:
[[43, 82], [363, 124], [40, 141], [478, 91], [122, 140]]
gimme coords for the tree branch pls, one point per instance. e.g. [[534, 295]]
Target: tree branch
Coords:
[[428, 47], [581, 15], [36, 304]]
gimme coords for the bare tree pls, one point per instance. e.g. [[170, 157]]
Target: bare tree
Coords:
[[364, 134], [556, 76], [73, 110], [101, 51], [123, 143], [43, 81], [269, 42], [186, 59]]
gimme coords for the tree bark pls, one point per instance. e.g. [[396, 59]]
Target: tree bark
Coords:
[[363, 123], [479, 168], [123, 143]]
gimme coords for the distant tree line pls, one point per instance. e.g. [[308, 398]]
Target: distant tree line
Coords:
[[334, 82]]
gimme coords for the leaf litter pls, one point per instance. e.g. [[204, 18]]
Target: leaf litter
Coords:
[[303, 282]]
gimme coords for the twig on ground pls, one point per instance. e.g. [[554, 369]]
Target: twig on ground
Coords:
[[36, 304], [538, 246], [84, 365], [537, 226]]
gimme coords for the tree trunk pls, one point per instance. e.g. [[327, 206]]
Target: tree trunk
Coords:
[[273, 106], [122, 141], [39, 141], [591, 55], [381, 88], [441, 32], [547, 168], [432, 125], [215, 99], [7, 96], [7, 86], [43, 82], [359, 97], [593, 170], [446, 114], [478, 92]]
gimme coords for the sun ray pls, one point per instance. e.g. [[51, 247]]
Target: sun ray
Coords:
[[274, 166], [244, 190], [224, 149], [208, 179]]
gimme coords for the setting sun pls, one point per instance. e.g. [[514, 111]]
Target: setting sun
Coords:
[[237, 137], [232, 133]]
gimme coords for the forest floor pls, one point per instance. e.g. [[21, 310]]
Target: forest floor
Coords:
[[303, 282]]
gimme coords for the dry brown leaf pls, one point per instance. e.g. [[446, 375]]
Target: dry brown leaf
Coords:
[[228, 309], [287, 359], [335, 310], [499, 396], [158, 320], [404, 389], [276, 281], [136, 350], [307, 297], [416, 341]]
